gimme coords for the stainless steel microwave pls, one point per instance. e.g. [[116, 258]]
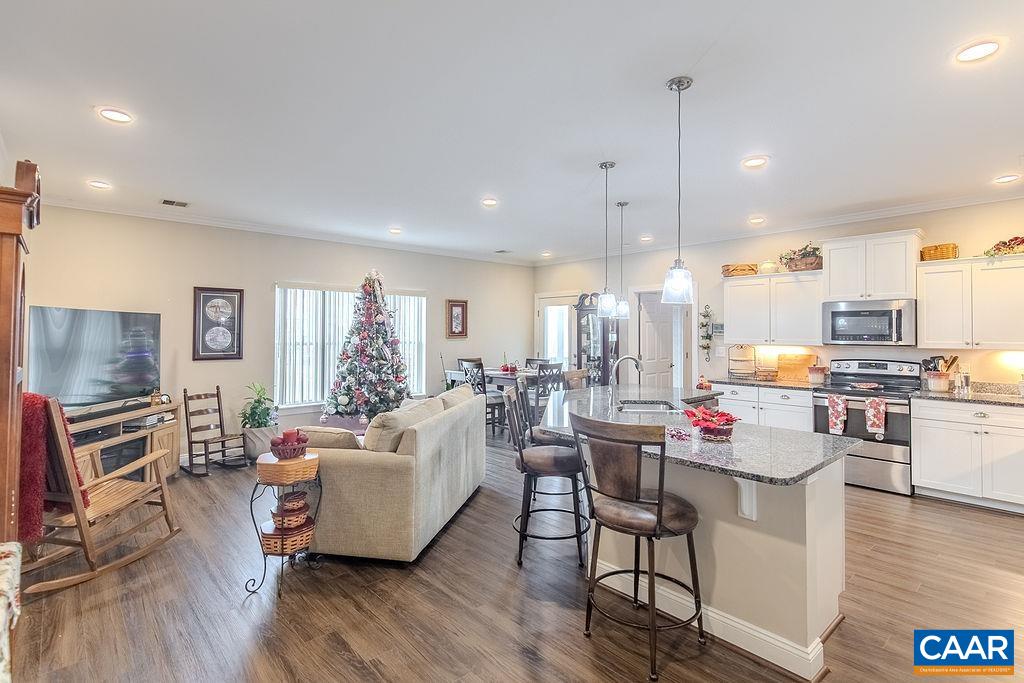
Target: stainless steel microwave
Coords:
[[870, 323]]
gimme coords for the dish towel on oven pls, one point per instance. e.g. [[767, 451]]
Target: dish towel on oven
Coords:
[[836, 413], [874, 414]]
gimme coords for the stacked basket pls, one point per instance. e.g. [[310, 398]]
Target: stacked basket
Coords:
[[290, 528]]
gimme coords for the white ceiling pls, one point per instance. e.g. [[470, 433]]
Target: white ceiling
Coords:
[[339, 119]]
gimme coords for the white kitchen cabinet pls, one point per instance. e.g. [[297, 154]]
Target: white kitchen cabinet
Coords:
[[745, 410], [944, 305], [799, 418], [946, 456], [747, 310], [1002, 456], [871, 266], [998, 304], [796, 309]]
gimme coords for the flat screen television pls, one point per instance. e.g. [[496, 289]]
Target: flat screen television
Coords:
[[85, 357]]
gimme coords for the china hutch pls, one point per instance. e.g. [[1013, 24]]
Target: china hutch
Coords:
[[597, 338]]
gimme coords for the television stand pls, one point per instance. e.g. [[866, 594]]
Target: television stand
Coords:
[[106, 430], [106, 412]]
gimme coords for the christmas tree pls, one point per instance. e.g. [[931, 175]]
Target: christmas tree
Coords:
[[371, 377]]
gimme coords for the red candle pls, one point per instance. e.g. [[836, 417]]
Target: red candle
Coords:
[[290, 435]]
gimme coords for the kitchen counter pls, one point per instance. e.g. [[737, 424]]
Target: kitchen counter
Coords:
[[794, 384], [770, 542], [780, 457], [984, 398]]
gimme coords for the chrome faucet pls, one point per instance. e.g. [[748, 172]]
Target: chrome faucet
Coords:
[[613, 380]]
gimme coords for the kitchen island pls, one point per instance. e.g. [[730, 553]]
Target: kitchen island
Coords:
[[770, 543]]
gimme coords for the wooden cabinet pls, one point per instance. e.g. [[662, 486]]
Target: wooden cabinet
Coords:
[[998, 304], [1002, 456], [768, 406], [169, 438], [745, 410], [800, 418], [747, 310], [871, 266], [773, 309], [796, 309], [971, 303], [944, 306], [946, 456]]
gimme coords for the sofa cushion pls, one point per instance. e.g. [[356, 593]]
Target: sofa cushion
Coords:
[[454, 397], [330, 437], [384, 433]]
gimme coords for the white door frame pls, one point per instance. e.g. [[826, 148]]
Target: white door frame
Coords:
[[538, 333], [633, 337]]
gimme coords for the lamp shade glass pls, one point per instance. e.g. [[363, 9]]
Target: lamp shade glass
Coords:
[[678, 287], [606, 305], [622, 310]]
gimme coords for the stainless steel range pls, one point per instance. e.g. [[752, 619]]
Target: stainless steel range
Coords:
[[881, 461]]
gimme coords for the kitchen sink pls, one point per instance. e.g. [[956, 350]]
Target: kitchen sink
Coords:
[[636, 406]]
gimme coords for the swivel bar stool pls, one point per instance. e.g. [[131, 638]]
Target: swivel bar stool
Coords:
[[618, 502], [544, 461]]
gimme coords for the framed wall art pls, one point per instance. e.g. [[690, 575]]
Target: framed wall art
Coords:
[[456, 318], [217, 324]]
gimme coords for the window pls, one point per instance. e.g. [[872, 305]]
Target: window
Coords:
[[310, 330]]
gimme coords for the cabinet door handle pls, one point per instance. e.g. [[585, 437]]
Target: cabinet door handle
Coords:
[[734, 392], [977, 432], [979, 414], [977, 343], [784, 397], [967, 343], [985, 432], [868, 295]]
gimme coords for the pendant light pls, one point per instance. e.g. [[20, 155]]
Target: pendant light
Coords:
[[606, 301], [622, 307], [678, 287]]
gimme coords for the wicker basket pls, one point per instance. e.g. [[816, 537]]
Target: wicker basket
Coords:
[[938, 252], [292, 501], [766, 374], [737, 269], [806, 263], [275, 472], [277, 541], [289, 519], [287, 451]]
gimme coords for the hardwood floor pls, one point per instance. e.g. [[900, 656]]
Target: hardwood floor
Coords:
[[464, 611]]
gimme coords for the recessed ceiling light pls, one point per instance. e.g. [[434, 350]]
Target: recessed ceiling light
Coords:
[[545, 254], [114, 115], [976, 51], [755, 162], [489, 202], [100, 185], [646, 238], [1008, 178], [756, 220], [395, 230]]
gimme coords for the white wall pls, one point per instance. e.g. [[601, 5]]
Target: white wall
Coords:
[[82, 259], [974, 228]]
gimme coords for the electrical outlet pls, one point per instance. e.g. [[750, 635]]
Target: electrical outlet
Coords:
[[720, 352]]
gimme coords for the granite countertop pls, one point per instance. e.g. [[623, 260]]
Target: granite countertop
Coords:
[[781, 457], [771, 384], [985, 398]]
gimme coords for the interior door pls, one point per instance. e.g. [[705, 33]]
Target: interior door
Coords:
[[659, 342], [554, 329]]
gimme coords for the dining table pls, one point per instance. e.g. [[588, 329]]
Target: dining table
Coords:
[[496, 376]]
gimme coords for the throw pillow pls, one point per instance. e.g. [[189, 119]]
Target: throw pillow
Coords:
[[384, 433], [454, 397], [330, 437]]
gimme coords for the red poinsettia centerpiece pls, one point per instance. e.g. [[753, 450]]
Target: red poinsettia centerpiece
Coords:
[[714, 425]]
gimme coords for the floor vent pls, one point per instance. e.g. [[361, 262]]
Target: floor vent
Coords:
[[172, 202]]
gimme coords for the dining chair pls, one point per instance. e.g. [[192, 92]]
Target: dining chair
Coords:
[[619, 501], [576, 379], [534, 363], [549, 378], [495, 405]]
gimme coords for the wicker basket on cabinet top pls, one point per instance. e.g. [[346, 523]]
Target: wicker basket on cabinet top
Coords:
[[938, 252], [737, 269]]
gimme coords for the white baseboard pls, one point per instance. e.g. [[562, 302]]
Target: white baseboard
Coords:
[[805, 662], [990, 503]]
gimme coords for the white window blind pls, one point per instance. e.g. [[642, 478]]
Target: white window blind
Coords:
[[310, 330]]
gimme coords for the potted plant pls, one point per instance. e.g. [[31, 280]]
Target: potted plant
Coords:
[[806, 257], [259, 421], [714, 425]]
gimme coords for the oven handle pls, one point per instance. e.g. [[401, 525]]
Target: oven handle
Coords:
[[900, 407]]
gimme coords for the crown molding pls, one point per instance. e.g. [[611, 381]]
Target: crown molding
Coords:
[[902, 210], [269, 229]]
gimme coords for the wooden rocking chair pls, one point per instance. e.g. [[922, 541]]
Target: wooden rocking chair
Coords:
[[110, 495]]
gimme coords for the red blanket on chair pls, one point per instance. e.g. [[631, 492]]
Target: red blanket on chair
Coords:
[[35, 432]]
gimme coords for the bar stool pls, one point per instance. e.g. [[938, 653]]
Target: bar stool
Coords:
[[544, 461], [618, 502]]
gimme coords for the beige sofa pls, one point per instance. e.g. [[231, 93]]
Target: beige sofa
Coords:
[[388, 496]]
